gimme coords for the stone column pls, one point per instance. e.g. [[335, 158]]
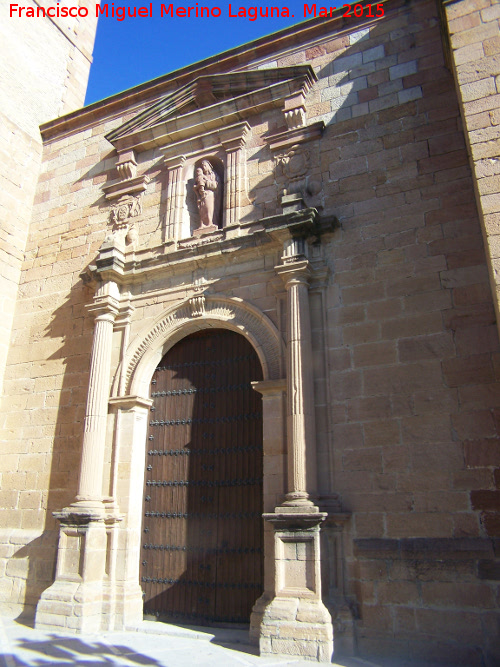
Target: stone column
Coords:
[[75, 599], [295, 621], [300, 387], [105, 306], [175, 193]]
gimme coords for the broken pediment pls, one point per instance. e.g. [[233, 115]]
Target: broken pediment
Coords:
[[212, 102]]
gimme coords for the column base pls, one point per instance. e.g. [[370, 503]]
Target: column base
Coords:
[[74, 601], [293, 619], [123, 606], [298, 500], [297, 626], [70, 606], [343, 628]]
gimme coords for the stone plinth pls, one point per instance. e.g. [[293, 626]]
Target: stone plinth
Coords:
[[203, 231], [74, 601], [296, 622]]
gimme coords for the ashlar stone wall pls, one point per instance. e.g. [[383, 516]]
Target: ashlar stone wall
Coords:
[[44, 67], [405, 342]]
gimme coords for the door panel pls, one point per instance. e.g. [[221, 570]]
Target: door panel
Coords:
[[202, 528]]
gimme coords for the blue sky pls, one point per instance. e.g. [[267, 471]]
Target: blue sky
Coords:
[[139, 49]]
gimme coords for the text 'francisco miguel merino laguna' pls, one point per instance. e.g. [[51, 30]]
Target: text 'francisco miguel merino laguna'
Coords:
[[251, 13]]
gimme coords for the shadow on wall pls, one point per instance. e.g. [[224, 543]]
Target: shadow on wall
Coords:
[[74, 326]]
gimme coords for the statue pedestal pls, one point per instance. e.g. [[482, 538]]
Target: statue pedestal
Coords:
[[295, 621], [202, 231]]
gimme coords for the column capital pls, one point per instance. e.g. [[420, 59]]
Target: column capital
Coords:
[[235, 137], [270, 387], [175, 162], [294, 273], [124, 316], [104, 308], [106, 303], [130, 402]]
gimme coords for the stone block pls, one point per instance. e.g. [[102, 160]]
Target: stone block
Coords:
[[292, 647], [284, 609]]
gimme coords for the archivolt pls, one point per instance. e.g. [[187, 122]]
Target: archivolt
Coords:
[[199, 312]]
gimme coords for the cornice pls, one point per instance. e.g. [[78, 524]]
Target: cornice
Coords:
[[130, 186], [316, 30], [298, 135], [229, 136], [234, 98], [138, 267]]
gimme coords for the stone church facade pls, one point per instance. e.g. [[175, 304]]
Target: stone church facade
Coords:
[[253, 367]]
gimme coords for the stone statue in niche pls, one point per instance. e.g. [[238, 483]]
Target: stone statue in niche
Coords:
[[207, 187]]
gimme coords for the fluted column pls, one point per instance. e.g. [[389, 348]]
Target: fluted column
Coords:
[[300, 386], [175, 192], [94, 433]]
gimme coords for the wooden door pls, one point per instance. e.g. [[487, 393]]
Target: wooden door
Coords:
[[202, 559]]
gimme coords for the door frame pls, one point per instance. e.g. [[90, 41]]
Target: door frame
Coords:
[[129, 414]]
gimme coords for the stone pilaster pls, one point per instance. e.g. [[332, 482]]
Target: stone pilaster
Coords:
[[233, 141], [333, 575], [131, 422], [175, 195], [274, 473], [75, 599]]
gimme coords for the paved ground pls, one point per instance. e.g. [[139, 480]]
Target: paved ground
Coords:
[[156, 645]]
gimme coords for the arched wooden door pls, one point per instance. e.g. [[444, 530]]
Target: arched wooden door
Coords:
[[202, 559]]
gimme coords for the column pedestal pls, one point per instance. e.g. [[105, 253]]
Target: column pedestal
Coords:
[[296, 622], [74, 601]]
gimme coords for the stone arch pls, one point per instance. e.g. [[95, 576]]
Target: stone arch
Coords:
[[194, 314]]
